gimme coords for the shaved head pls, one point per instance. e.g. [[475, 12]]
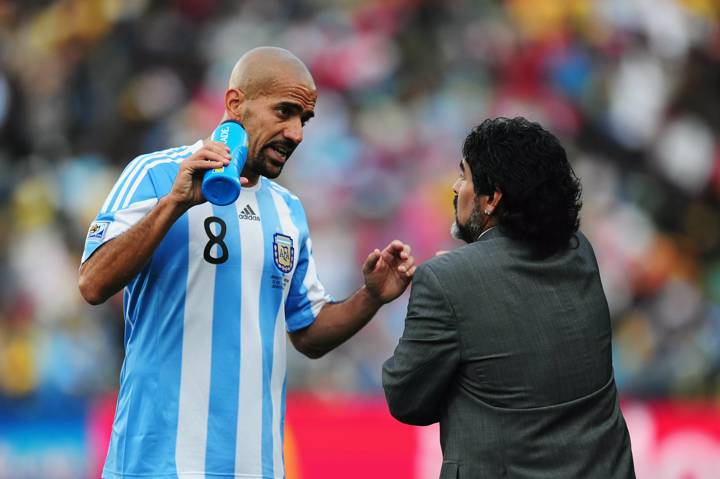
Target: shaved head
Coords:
[[272, 95], [264, 69]]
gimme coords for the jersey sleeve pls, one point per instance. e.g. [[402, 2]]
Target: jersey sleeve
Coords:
[[131, 198], [307, 295]]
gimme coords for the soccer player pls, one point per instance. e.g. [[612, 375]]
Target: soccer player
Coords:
[[209, 290]]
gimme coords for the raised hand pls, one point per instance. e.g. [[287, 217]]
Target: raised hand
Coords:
[[188, 182], [388, 272]]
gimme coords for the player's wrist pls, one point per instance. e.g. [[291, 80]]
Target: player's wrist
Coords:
[[371, 297], [175, 204]]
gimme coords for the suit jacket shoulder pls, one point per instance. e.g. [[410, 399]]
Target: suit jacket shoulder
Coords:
[[471, 261]]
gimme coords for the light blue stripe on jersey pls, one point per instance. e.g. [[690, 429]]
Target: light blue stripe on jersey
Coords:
[[298, 311], [135, 172], [130, 171], [297, 302], [225, 362], [270, 299], [144, 429], [282, 418], [131, 196]]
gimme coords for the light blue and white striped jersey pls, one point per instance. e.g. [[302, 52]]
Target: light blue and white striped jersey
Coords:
[[202, 386]]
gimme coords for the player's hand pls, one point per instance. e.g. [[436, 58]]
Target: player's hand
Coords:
[[186, 190], [388, 272]]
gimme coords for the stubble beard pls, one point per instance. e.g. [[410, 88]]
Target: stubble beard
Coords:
[[260, 165], [471, 230]]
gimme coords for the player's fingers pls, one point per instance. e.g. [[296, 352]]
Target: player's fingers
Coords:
[[411, 272], [407, 264], [223, 152], [388, 256], [218, 147], [201, 165], [400, 249], [371, 261], [210, 155], [397, 245], [244, 181], [396, 249]]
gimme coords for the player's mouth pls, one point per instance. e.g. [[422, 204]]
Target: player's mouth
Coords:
[[279, 153]]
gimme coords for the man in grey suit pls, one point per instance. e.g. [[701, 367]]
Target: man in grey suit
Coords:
[[507, 340]]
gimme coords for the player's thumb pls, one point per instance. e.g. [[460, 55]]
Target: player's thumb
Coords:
[[371, 261]]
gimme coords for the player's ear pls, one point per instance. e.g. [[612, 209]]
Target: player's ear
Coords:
[[234, 103]]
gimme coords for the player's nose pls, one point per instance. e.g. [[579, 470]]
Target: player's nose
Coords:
[[294, 132]]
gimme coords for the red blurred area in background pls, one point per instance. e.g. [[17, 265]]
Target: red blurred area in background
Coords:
[[355, 437]]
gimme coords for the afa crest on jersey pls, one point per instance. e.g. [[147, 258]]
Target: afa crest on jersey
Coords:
[[97, 230], [283, 252]]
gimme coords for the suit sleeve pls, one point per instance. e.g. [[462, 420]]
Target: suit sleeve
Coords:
[[417, 376]]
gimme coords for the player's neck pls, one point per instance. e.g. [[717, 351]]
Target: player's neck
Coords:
[[251, 176]]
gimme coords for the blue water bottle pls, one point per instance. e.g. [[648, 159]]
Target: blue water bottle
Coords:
[[221, 186]]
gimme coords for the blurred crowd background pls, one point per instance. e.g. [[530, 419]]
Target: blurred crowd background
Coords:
[[632, 88]]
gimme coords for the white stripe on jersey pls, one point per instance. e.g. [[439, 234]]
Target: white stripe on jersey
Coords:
[[194, 397], [315, 292], [130, 170], [279, 353], [127, 218], [248, 457], [284, 190], [147, 167]]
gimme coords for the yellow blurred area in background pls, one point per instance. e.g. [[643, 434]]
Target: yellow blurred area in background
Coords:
[[18, 375], [539, 19]]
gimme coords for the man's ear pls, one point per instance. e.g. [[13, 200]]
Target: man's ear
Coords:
[[234, 103], [494, 200]]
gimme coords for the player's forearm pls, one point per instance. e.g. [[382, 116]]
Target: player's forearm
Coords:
[[117, 262], [336, 323]]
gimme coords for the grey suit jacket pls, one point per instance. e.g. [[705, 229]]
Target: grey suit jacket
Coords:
[[512, 356]]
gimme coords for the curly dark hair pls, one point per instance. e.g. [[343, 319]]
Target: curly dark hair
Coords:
[[528, 165]]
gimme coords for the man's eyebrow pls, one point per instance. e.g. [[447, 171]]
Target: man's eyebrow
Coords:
[[297, 109], [291, 105]]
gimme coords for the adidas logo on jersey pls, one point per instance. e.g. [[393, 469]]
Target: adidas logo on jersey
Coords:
[[248, 214]]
